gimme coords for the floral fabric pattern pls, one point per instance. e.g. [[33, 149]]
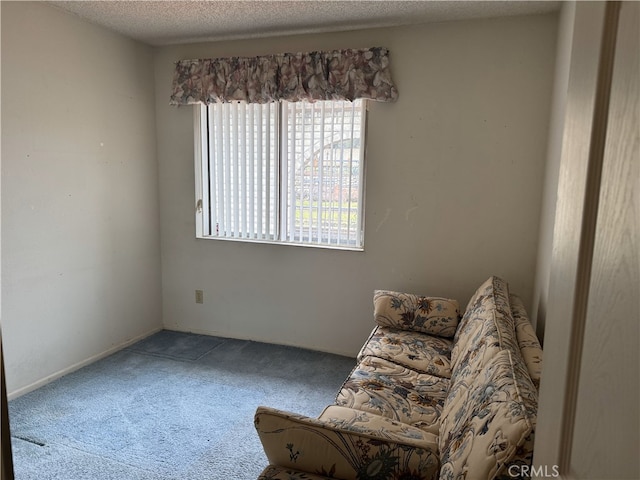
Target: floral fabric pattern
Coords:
[[523, 456], [527, 340], [345, 443], [417, 351], [486, 418], [432, 315], [274, 472], [335, 75], [486, 328], [384, 388], [367, 422]]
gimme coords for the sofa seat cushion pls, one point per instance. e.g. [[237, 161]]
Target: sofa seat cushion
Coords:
[[486, 418], [341, 417], [406, 311], [417, 351], [396, 392]]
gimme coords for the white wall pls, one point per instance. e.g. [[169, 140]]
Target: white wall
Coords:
[[454, 180], [554, 152], [80, 221]]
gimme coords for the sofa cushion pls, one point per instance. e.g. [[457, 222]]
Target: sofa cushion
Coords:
[[346, 443], [527, 340], [396, 392], [340, 417], [486, 328], [485, 418], [417, 351], [432, 315]]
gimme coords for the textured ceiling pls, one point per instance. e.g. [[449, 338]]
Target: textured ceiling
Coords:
[[171, 22]]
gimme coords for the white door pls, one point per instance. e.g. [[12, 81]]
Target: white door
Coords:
[[589, 415]]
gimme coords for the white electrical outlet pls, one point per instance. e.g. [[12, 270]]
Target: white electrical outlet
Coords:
[[199, 296]]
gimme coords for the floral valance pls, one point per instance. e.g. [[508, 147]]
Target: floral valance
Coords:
[[336, 75]]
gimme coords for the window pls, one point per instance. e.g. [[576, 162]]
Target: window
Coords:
[[286, 172]]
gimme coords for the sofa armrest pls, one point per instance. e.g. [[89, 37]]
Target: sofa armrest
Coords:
[[527, 340], [347, 444]]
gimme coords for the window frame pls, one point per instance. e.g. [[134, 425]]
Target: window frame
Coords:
[[202, 193]]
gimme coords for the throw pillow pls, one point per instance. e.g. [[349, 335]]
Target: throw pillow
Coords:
[[433, 315]]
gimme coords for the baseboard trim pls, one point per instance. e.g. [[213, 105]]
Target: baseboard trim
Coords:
[[76, 366]]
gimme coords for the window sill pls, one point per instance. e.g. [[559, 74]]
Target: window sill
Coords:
[[276, 242]]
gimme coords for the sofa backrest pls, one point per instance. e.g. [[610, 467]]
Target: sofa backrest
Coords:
[[490, 412]]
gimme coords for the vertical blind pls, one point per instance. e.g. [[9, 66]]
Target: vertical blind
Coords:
[[323, 172], [243, 170], [287, 171]]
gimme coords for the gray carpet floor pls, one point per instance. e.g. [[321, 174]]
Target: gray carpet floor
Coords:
[[172, 406]]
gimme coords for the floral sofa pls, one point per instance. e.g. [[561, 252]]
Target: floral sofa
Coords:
[[433, 395]]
